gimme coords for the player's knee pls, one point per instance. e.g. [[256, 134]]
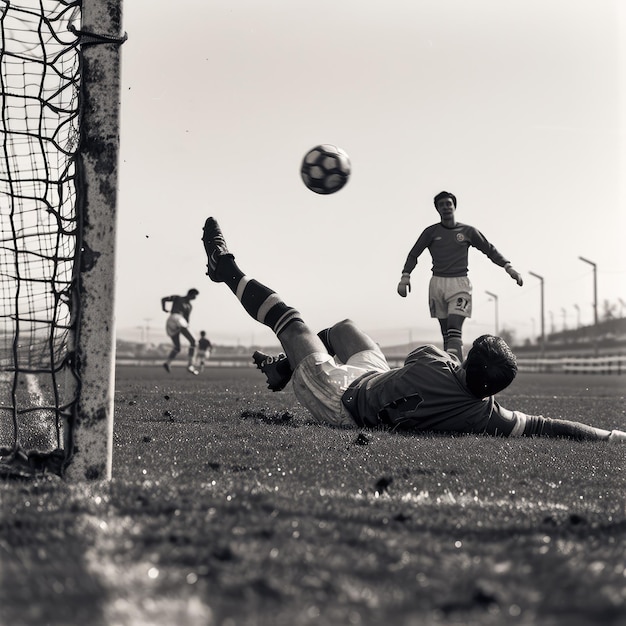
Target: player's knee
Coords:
[[342, 326]]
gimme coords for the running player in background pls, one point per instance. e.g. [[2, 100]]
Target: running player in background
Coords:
[[178, 324], [342, 377], [204, 350], [450, 289]]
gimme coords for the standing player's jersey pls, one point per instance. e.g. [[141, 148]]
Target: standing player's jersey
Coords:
[[180, 306], [449, 249], [427, 393], [204, 344]]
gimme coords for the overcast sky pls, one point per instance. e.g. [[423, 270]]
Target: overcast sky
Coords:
[[516, 107]]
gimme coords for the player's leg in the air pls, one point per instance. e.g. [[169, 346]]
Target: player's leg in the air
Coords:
[[259, 301]]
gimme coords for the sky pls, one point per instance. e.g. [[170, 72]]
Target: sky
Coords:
[[516, 107]]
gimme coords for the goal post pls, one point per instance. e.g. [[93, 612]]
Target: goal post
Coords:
[[59, 145], [97, 175]]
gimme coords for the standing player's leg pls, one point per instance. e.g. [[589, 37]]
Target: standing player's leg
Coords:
[[438, 305], [174, 351], [443, 325], [259, 301], [455, 335], [192, 350], [459, 307]]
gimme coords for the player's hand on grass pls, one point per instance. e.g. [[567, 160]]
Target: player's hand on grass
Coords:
[[404, 286], [516, 276]]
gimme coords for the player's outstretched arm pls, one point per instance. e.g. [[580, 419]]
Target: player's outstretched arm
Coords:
[[516, 276], [506, 423]]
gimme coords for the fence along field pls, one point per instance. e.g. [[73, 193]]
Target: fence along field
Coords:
[[228, 505]]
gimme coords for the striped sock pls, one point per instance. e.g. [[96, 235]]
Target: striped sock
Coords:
[[260, 302], [264, 305], [454, 342]]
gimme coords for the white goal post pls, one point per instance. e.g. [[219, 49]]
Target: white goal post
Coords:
[[98, 176], [59, 143]]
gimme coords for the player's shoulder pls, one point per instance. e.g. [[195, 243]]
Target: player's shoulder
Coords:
[[429, 231], [427, 351]]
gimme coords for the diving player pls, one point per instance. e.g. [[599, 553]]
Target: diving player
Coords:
[[342, 377]]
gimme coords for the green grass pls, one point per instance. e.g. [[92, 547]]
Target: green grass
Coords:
[[230, 506]]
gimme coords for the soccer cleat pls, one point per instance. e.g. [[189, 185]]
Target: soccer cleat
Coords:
[[192, 370], [276, 369], [166, 366], [215, 247]]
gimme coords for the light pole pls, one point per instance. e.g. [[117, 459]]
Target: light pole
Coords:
[[542, 318], [495, 299], [595, 288], [577, 316]]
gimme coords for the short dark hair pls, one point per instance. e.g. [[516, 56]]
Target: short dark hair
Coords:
[[444, 194], [193, 292], [490, 366]]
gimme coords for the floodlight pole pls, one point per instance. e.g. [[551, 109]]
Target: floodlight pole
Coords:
[[595, 288], [494, 297], [542, 318]]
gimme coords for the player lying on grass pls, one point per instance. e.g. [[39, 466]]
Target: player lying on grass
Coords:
[[342, 377]]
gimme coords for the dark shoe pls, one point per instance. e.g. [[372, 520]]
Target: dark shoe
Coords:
[[215, 246], [277, 369], [166, 366]]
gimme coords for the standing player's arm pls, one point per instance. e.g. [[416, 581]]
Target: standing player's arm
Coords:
[[479, 241], [404, 286], [164, 301]]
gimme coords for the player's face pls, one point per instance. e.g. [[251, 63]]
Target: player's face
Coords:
[[445, 208]]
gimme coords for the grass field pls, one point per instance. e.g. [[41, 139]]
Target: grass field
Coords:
[[230, 507]]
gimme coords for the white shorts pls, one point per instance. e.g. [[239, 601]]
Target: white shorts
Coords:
[[175, 322], [319, 382], [450, 296]]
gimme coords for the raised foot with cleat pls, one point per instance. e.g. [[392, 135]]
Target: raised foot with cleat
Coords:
[[215, 247]]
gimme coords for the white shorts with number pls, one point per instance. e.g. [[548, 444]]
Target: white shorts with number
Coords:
[[450, 296], [175, 322], [319, 382]]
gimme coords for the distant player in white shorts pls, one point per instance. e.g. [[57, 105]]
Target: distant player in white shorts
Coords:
[[178, 324], [450, 290], [342, 377]]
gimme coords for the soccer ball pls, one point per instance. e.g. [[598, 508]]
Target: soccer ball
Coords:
[[325, 169]]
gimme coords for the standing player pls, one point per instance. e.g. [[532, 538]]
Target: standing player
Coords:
[[342, 377], [204, 349], [178, 324], [450, 290]]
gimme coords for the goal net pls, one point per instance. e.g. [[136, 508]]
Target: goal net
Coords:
[[42, 228]]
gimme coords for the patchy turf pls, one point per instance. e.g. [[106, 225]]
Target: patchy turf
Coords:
[[230, 506]]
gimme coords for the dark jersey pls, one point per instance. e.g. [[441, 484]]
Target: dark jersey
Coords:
[[449, 249], [180, 305], [204, 344], [427, 393]]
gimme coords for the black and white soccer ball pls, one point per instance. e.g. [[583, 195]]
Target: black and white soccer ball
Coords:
[[325, 169]]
